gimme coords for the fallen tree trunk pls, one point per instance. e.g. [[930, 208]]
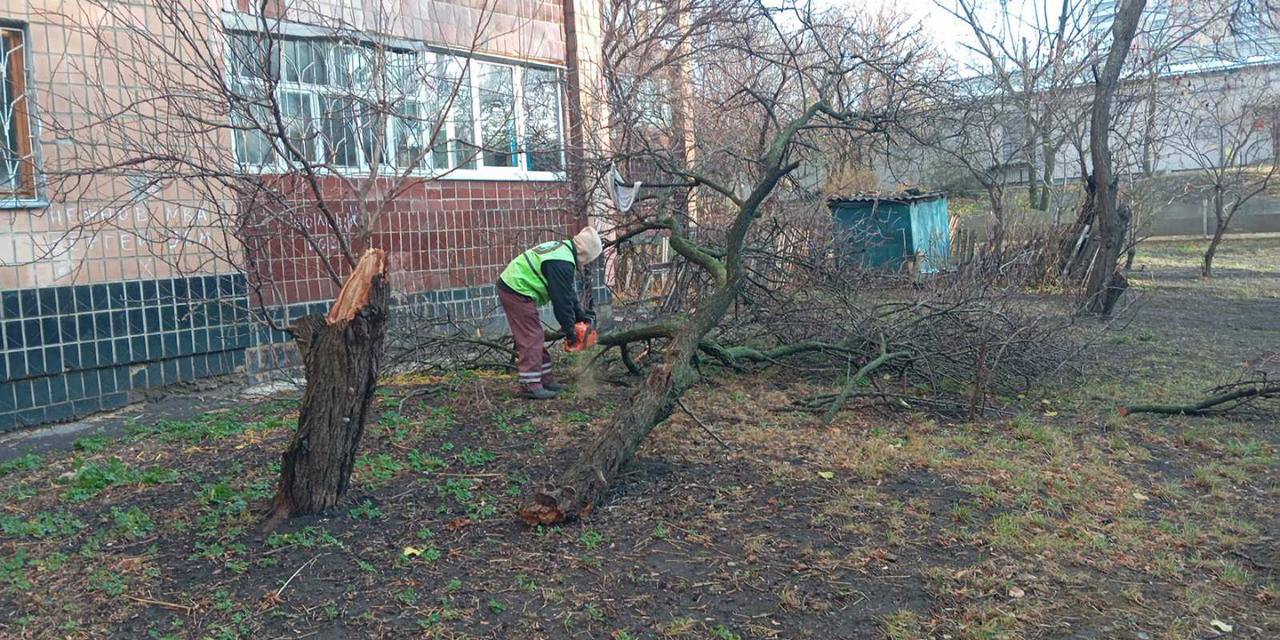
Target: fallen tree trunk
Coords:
[[340, 355], [1209, 404], [585, 482], [576, 491]]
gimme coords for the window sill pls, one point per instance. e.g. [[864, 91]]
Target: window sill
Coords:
[[12, 203], [500, 175], [491, 174]]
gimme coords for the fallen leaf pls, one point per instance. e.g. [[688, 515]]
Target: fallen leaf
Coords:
[[410, 552], [1016, 592], [1138, 495], [1050, 414], [1221, 626], [826, 475]]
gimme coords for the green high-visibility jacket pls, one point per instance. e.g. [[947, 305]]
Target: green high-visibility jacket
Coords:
[[524, 274]]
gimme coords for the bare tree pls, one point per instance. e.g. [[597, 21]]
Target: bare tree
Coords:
[[778, 79], [1035, 61], [1224, 128], [1105, 283]]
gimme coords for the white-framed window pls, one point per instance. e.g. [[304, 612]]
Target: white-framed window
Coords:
[[355, 108], [17, 141]]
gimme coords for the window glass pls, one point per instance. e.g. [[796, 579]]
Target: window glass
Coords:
[[299, 125], [497, 116], [542, 134], [351, 106], [339, 115], [249, 56], [352, 67], [453, 95], [17, 167], [404, 90], [409, 135], [251, 120], [305, 61]]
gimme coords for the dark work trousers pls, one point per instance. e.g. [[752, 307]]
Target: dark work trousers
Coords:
[[533, 361]]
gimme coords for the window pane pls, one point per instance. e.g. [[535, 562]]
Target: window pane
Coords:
[[403, 74], [409, 136], [251, 120], [453, 94], [10, 152], [340, 132], [299, 124], [16, 169], [352, 67], [305, 61], [249, 56], [371, 123], [542, 135], [497, 115], [403, 110]]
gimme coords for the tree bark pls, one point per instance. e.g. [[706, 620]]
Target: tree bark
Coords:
[[1219, 229], [1101, 288], [1207, 405], [583, 484], [1050, 162], [340, 355]]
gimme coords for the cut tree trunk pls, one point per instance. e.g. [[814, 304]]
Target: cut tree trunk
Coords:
[[340, 354]]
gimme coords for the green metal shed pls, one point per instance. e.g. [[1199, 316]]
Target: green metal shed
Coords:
[[886, 231]]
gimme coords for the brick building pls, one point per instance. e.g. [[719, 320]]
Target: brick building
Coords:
[[135, 251]]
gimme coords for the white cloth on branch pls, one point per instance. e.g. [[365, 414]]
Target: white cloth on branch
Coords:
[[623, 196]]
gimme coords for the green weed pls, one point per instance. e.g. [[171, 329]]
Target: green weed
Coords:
[[366, 511], [94, 478], [41, 525], [379, 467], [426, 463], [476, 457], [134, 524]]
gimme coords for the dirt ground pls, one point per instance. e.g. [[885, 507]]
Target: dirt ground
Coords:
[[1063, 521]]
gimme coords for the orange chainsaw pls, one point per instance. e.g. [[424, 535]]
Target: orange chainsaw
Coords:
[[584, 337], [584, 333]]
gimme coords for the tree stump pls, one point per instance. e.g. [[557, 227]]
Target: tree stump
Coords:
[[340, 354]]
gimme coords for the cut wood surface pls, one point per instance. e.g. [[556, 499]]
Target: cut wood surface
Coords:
[[355, 292]]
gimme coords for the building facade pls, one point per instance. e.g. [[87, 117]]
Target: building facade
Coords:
[[179, 180]]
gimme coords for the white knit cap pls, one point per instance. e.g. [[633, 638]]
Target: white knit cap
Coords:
[[588, 244]]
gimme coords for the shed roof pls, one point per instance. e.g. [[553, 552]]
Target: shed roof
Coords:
[[902, 197]]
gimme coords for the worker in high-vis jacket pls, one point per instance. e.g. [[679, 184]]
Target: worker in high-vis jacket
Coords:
[[540, 275]]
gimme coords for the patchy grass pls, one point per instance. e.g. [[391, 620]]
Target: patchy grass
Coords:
[[1062, 521]]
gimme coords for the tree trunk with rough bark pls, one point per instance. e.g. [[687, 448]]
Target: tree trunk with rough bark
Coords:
[[1103, 286], [583, 485], [340, 353], [1221, 220]]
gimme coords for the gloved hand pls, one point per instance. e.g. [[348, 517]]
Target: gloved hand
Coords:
[[584, 337]]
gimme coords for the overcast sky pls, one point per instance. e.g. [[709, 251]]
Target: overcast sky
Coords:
[[946, 30]]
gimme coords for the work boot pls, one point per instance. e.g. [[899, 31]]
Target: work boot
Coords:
[[553, 385], [537, 392]]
